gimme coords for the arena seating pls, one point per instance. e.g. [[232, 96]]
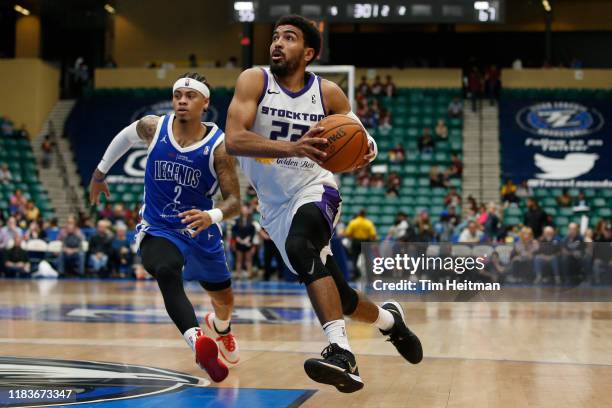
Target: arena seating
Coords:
[[16, 151], [411, 110]]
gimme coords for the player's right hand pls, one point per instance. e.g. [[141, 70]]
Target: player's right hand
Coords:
[[306, 146], [97, 185]]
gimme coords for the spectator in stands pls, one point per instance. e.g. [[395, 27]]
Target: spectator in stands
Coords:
[[547, 256], [471, 234], [232, 62], [436, 179], [493, 270], [122, 256], [399, 229], [377, 181], [389, 87], [10, 230], [7, 127], [508, 192], [441, 130], [364, 177], [243, 233], [492, 83], [523, 253], [18, 202], [374, 114], [474, 87], [394, 182], [193, 61], [423, 225], [47, 148], [564, 200], [602, 254], [573, 260], [35, 231], [535, 217], [363, 88], [51, 230], [377, 87], [23, 132], [449, 219], [363, 110], [5, 174], [600, 230], [385, 120], [472, 203], [397, 154], [106, 211], [72, 257], [16, 258], [581, 203], [455, 108], [456, 167], [100, 249], [426, 142], [523, 191], [360, 229], [31, 211], [492, 225]]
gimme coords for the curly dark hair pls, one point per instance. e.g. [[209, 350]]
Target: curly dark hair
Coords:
[[312, 36]]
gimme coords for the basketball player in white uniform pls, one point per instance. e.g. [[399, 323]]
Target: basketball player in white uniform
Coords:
[[270, 127]]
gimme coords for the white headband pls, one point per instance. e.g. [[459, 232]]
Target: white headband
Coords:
[[192, 84]]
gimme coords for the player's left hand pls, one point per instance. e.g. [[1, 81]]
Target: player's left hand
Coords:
[[197, 220], [370, 155]]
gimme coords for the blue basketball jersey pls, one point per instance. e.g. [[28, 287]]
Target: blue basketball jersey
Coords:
[[179, 178]]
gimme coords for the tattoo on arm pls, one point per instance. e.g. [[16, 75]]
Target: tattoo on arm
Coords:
[[146, 128], [225, 166]]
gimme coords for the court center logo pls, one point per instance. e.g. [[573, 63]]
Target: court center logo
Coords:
[[560, 119], [90, 381]]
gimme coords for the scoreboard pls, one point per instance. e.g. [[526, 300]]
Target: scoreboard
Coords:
[[390, 11]]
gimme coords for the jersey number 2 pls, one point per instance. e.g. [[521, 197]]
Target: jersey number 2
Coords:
[[283, 131], [178, 190]]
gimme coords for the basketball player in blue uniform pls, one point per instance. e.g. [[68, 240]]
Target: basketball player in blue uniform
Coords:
[[270, 126], [179, 236]]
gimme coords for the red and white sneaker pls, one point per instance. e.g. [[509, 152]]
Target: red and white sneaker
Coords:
[[228, 347], [207, 357]]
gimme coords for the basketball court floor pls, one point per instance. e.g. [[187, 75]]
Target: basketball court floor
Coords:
[[112, 343]]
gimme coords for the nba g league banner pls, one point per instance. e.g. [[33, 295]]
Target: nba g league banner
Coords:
[[557, 143], [95, 121]]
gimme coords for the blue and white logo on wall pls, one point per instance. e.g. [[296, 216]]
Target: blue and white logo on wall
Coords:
[[560, 119]]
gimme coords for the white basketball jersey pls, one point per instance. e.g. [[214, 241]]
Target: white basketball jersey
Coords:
[[285, 115]]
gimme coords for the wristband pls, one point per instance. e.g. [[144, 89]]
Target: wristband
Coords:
[[216, 215], [98, 180]]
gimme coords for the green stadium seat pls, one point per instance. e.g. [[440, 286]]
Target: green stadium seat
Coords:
[[551, 211], [561, 221], [604, 212], [599, 202]]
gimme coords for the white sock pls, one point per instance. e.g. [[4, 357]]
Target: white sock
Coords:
[[336, 333], [190, 337], [220, 325], [385, 320]]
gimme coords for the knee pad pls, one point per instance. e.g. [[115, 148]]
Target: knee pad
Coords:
[[305, 259]]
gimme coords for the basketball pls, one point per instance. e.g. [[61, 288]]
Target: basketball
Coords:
[[347, 143]]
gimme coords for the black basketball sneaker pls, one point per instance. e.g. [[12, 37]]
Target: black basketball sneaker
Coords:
[[338, 368], [404, 340]]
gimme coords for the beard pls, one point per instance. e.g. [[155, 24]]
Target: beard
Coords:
[[284, 68]]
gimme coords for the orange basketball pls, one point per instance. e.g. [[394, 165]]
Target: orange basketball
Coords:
[[347, 143]]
